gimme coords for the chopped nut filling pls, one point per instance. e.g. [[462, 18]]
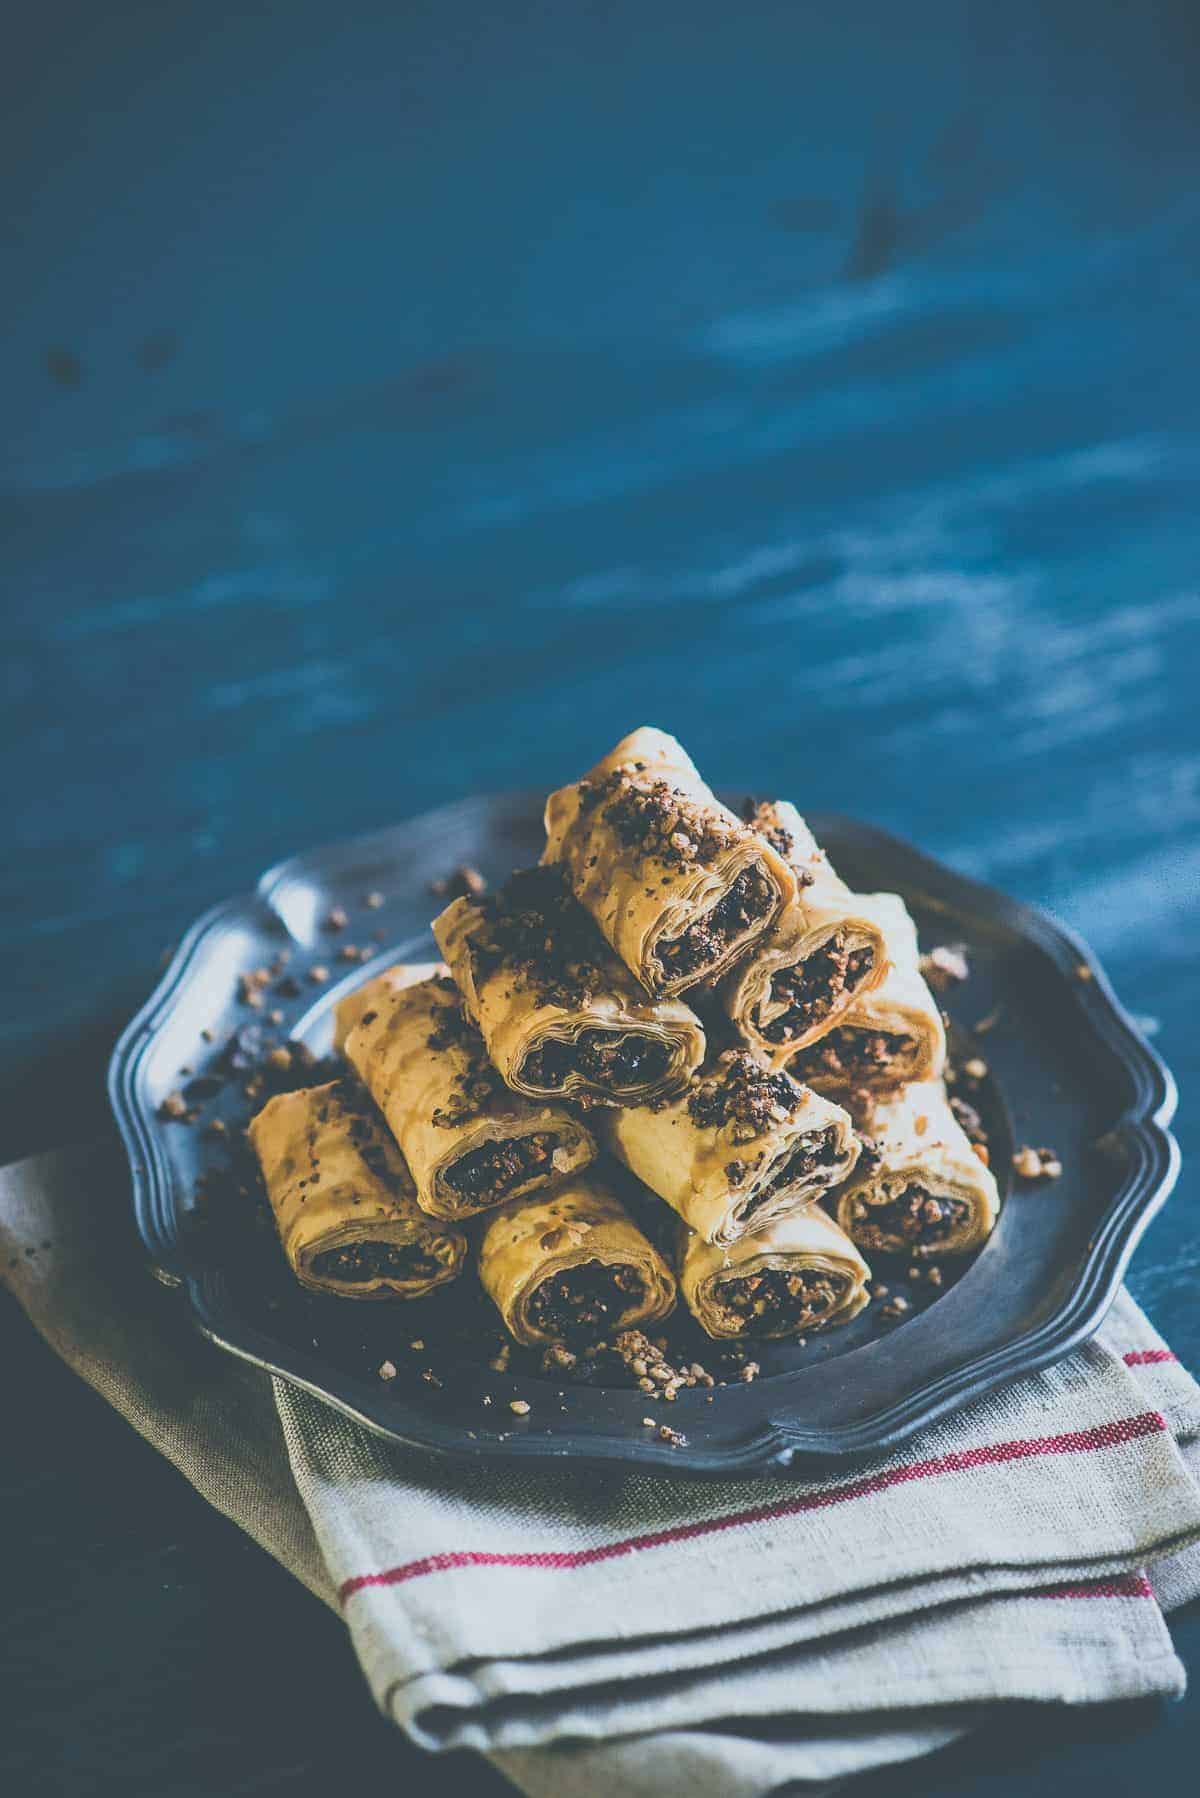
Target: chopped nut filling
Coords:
[[778, 1302], [616, 1060], [375, 1261], [750, 898], [913, 1216], [585, 1300], [854, 1055], [812, 988], [489, 1171]]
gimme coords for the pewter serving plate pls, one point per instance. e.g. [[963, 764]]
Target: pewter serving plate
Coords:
[[1067, 1069]]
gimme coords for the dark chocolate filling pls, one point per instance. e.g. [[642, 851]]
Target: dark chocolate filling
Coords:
[[852, 1054], [749, 898], [610, 1059], [778, 1302], [585, 1300], [913, 1216], [375, 1261], [812, 989], [490, 1170]]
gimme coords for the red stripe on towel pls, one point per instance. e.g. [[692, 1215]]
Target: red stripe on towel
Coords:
[[1147, 1357], [1071, 1442], [1127, 1585]]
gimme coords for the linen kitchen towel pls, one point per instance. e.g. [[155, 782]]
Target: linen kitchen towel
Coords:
[[627, 1634]]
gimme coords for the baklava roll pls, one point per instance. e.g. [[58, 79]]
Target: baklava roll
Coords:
[[889, 1037], [561, 1015], [573, 1266], [826, 951], [678, 884], [469, 1142], [741, 1148], [800, 1275], [344, 1202], [919, 1189], [354, 1007]]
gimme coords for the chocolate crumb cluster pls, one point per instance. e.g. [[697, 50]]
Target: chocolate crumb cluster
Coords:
[[761, 816], [741, 1097], [537, 933], [477, 1084], [662, 822]]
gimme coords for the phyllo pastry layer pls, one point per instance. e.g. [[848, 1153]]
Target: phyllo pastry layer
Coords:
[[800, 1275], [890, 1036], [344, 1202], [573, 1267], [560, 1013], [678, 884], [351, 1010], [827, 949], [919, 1189], [469, 1141], [740, 1148]]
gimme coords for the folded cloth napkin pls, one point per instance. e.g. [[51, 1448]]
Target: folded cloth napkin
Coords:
[[618, 1633]]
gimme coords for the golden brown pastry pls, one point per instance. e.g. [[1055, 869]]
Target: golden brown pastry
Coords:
[[740, 1148], [344, 1202], [573, 1266], [363, 998], [827, 950], [919, 1188], [561, 1015], [800, 1275], [888, 1037], [677, 883], [469, 1142]]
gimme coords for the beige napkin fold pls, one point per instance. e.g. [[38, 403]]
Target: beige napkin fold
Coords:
[[623, 1634]]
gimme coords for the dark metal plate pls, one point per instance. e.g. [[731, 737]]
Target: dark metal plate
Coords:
[[1074, 1072]]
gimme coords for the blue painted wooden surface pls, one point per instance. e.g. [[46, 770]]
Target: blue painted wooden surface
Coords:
[[401, 402]]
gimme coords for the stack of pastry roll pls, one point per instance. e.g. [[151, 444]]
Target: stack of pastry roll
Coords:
[[837, 997], [698, 994]]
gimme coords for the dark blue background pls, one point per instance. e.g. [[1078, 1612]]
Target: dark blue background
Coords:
[[399, 402]]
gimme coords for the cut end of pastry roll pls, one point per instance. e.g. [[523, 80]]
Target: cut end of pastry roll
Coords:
[[801, 1275], [826, 952], [741, 1148], [469, 1142], [889, 1037], [573, 1267], [679, 886], [919, 1189], [343, 1200], [351, 1010], [560, 1013]]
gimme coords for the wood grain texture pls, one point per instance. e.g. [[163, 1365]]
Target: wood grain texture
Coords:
[[405, 407]]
